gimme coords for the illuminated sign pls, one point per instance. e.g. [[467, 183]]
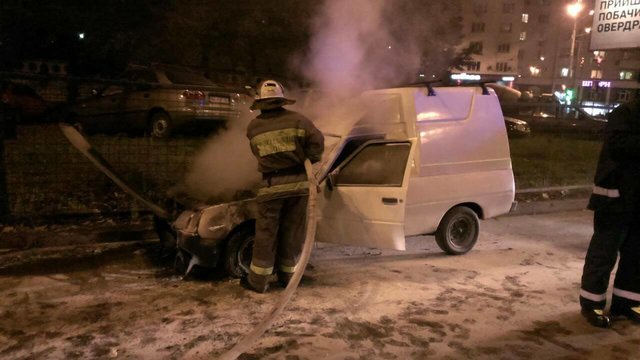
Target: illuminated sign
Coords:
[[615, 25], [508, 78], [465, 76], [601, 84]]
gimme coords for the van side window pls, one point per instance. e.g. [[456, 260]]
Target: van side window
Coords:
[[378, 164]]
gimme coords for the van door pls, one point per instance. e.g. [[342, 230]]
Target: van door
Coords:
[[363, 200]]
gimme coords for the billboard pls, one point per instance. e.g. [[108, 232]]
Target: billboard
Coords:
[[616, 25]]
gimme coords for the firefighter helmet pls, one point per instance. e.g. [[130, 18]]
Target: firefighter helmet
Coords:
[[270, 93]]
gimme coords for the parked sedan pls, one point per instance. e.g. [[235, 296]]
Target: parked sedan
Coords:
[[22, 99], [157, 100], [516, 127]]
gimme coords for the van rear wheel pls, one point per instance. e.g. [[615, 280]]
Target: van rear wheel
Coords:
[[458, 231]]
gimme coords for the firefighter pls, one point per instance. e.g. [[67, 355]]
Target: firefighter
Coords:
[[616, 204], [281, 140]]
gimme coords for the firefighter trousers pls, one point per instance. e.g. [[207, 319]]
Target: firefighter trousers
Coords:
[[613, 233], [280, 232]]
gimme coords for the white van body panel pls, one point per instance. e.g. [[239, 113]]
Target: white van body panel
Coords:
[[462, 156], [365, 215]]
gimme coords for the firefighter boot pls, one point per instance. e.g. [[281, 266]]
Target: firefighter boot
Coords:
[[255, 282], [631, 313], [596, 317], [284, 278]]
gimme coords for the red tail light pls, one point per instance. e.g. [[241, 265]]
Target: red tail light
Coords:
[[193, 95]]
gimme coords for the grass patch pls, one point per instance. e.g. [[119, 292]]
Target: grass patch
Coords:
[[544, 160]]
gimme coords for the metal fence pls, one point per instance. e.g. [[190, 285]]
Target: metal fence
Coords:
[[41, 174]]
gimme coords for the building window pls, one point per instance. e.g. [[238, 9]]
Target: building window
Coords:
[[503, 67], [525, 18], [506, 27], [477, 27], [596, 74], [507, 8], [476, 47], [504, 48], [543, 19], [624, 95], [626, 75], [564, 72], [473, 66], [523, 36]]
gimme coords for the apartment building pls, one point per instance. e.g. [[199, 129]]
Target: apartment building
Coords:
[[529, 41], [492, 29], [545, 64]]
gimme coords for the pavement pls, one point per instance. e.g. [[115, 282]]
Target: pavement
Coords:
[[515, 296]]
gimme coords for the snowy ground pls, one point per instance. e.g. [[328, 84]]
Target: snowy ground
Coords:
[[513, 297]]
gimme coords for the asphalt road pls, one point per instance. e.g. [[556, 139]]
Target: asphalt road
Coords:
[[513, 297]]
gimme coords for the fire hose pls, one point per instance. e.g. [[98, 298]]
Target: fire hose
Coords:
[[246, 342]]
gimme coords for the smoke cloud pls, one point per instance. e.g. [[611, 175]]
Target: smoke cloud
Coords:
[[355, 45], [225, 165]]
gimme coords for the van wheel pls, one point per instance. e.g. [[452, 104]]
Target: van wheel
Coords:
[[160, 125], [238, 252], [458, 231]]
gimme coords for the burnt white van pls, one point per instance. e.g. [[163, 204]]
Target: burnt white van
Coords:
[[417, 160], [427, 161]]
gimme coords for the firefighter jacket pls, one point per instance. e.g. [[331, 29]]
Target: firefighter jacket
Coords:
[[281, 140], [617, 179]]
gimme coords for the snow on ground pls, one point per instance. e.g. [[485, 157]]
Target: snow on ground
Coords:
[[513, 297]]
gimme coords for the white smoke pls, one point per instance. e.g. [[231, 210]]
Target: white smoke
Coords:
[[225, 165], [356, 45]]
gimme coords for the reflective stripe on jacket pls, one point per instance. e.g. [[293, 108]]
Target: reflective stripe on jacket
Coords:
[[282, 139]]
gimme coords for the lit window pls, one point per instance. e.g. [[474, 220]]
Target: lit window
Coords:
[[564, 72], [525, 18], [596, 74], [626, 75], [523, 36]]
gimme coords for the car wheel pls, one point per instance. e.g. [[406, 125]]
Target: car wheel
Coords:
[[238, 252], [160, 125], [458, 231]]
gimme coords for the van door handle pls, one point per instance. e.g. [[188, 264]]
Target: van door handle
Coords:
[[390, 201]]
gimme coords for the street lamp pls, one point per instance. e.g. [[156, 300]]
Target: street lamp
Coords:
[[573, 10]]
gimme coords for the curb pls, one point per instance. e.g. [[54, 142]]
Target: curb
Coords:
[[66, 258], [550, 206]]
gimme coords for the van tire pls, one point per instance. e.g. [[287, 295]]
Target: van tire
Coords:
[[160, 125], [458, 231], [238, 252]]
